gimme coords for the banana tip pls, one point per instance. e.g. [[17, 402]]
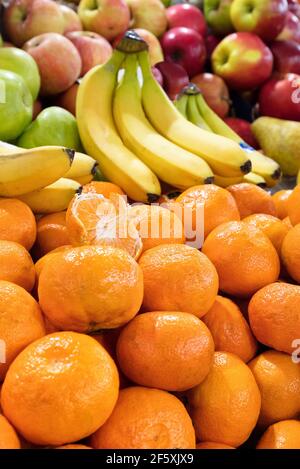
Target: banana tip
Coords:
[[94, 169], [209, 180], [152, 198], [277, 174], [246, 167], [70, 153]]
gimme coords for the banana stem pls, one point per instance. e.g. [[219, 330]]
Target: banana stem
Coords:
[[131, 43], [144, 61]]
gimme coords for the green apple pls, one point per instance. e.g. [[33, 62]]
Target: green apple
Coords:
[[217, 15], [18, 61], [53, 126], [15, 105]]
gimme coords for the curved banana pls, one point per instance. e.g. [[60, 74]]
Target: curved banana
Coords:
[[194, 115], [250, 177], [100, 138], [83, 168], [181, 104], [170, 163], [261, 164], [23, 171], [53, 198], [223, 156]]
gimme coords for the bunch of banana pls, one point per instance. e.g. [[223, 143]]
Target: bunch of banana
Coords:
[[46, 178], [192, 105], [137, 135]]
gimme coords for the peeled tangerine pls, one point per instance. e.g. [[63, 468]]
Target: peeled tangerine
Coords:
[[90, 288], [225, 406]]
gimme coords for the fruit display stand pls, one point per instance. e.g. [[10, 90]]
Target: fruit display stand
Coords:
[[149, 229]]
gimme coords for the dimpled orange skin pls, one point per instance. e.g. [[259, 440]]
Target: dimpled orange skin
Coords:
[[281, 435], [166, 350], [102, 187], [39, 265], [8, 437], [274, 315], [218, 205], [230, 330], [145, 418], [252, 199], [278, 379], [51, 232], [17, 222], [21, 322], [157, 225], [211, 445], [178, 278], [271, 226], [90, 288], [290, 253], [244, 257], [294, 206], [280, 200], [16, 265], [60, 389], [73, 446], [225, 406]]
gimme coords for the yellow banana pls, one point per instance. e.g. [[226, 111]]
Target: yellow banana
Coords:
[[23, 171], [223, 156], [194, 115], [261, 164], [83, 168], [250, 177], [100, 138], [170, 163], [53, 198]]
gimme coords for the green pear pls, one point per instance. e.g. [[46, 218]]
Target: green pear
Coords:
[[279, 139], [15, 105], [20, 62], [53, 126]]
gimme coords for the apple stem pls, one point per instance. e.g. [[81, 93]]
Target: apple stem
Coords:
[[132, 43]]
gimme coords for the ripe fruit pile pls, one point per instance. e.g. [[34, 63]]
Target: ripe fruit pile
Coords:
[[143, 341]]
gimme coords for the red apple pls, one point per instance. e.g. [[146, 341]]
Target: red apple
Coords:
[[71, 19], [67, 100], [58, 60], [291, 30], [158, 76], [280, 97], [188, 16], [24, 19], [185, 47], [286, 56], [242, 60], [155, 50], [211, 42], [243, 129], [215, 92], [37, 108], [109, 18], [175, 78], [266, 18], [93, 49], [294, 7]]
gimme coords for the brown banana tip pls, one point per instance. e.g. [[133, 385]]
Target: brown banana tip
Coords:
[[209, 180], [132, 43], [263, 185], [70, 153], [246, 168], [152, 198], [79, 190], [277, 174], [94, 169]]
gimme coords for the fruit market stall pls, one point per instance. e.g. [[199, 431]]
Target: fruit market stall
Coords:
[[150, 224]]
